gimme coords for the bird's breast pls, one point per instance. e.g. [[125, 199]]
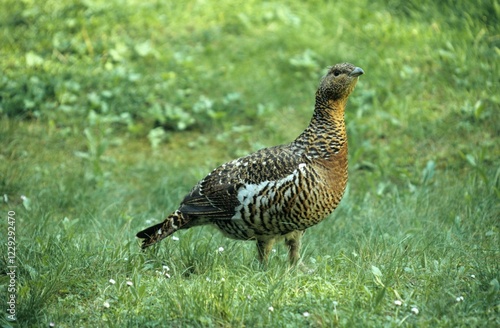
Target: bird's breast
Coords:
[[295, 202]]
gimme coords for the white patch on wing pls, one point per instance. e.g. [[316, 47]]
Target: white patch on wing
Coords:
[[288, 193], [246, 193], [264, 201]]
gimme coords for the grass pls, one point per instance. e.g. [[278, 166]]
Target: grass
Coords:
[[111, 111]]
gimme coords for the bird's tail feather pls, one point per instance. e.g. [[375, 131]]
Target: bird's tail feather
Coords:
[[159, 231]]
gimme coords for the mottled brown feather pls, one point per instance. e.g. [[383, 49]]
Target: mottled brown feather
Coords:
[[276, 191]]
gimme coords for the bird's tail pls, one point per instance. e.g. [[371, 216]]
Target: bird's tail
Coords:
[[155, 233]]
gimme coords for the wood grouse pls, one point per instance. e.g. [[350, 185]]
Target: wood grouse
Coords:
[[278, 191]]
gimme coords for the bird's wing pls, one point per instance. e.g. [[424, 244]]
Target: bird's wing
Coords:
[[216, 196]]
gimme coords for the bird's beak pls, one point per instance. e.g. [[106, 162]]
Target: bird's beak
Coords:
[[356, 72]]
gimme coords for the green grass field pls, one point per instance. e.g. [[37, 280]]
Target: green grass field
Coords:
[[111, 110]]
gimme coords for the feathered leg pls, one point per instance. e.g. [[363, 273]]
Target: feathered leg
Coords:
[[155, 233], [264, 247], [292, 241]]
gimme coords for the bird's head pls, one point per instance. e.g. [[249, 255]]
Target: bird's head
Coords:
[[337, 84]]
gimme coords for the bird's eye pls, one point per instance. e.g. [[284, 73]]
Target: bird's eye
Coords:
[[336, 72]]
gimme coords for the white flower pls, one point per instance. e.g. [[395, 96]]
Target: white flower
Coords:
[[459, 299], [221, 249], [166, 268], [271, 309], [473, 276], [398, 303], [414, 310], [175, 238], [306, 314], [222, 279], [106, 305], [130, 283], [112, 281], [52, 324]]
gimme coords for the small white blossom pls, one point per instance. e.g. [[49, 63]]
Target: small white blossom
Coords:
[[112, 281], [398, 303], [175, 238], [52, 324], [306, 314], [130, 283], [459, 299], [414, 310], [473, 276], [335, 303], [271, 309], [166, 268], [222, 279], [273, 250], [221, 249], [106, 305]]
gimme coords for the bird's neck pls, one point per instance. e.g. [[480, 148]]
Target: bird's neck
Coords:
[[326, 134]]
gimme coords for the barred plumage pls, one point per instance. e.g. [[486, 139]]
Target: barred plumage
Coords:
[[278, 191]]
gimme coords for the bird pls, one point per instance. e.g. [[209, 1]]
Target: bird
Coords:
[[278, 192]]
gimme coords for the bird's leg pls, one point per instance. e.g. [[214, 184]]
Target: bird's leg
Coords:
[[264, 248], [292, 241]]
